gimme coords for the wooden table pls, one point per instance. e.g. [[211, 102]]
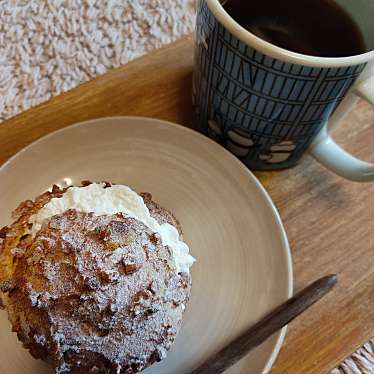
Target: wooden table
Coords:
[[329, 220]]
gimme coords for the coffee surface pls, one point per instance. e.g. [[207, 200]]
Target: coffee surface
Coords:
[[312, 27]]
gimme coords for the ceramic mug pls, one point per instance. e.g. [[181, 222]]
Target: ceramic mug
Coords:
[[269, 105]]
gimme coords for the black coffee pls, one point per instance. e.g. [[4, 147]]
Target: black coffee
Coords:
[[313, 27]]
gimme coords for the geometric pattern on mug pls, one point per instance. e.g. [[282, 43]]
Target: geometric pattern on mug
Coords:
[[271, 102]]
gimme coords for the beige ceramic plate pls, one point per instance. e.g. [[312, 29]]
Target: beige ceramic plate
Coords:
[[243, 264]]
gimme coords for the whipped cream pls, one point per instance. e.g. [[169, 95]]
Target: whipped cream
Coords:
[[107, 201]]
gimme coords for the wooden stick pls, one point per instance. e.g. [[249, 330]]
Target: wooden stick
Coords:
[[267, 326]]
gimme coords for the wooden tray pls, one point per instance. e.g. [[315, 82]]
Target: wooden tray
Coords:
[[329, 220]]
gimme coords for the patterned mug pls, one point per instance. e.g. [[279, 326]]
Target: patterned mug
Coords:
[[268, 105]]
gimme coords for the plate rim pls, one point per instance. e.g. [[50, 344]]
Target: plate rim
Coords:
[[268, 200]]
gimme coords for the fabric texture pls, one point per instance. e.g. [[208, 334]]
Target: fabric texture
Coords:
[[50, 46]]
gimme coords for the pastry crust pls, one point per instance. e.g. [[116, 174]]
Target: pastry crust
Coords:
[[92, 294]]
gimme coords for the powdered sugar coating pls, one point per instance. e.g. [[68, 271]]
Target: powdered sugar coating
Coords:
[[103, 199], [96, 294]]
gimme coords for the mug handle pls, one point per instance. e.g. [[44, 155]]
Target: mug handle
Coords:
[[332, 156]]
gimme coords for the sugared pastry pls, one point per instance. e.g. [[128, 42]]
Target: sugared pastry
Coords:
[[95, 279]]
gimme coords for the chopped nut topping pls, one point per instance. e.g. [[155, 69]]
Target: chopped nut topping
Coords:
[[86, 183], [129, 268], [113, 308], [127, 238], [91, 284], [154, 238], [7, 286], [110, 246], [55, 189], [3, 232]]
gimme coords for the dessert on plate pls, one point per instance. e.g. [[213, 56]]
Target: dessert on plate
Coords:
[[95, 278]]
